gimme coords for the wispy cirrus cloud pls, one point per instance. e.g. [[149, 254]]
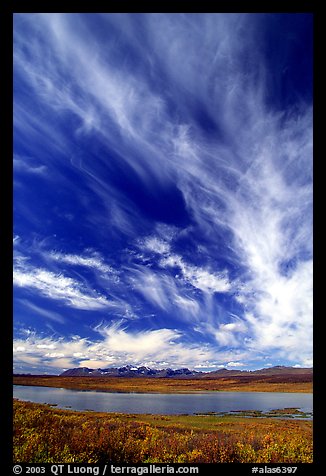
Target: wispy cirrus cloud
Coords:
[[163, 292], [26, 165], [93, 261], [197, 276], [59, 287], [40, 311]]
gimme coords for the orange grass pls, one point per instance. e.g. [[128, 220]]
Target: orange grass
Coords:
[[43, 434]]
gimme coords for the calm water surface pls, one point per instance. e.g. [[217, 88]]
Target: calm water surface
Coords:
[[161, 403]]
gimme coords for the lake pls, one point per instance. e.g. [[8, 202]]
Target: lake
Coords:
[[162, 403]]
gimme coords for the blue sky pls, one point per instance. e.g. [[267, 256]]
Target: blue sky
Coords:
[[162, 190]]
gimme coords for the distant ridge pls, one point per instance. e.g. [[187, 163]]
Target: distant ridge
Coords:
[[277, 370], [133, 371]]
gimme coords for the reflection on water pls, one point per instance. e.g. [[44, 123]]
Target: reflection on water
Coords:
[[166, 404]]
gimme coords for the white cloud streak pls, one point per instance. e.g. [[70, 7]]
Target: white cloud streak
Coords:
[[59, 287], [163, 291], [93, 262], [53, 316], [25, 164], [197, 276]]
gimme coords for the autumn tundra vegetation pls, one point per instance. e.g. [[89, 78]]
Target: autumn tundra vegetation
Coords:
[[44, 434]]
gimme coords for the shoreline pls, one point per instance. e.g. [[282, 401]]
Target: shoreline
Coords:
[[280, 413], [163, 385]]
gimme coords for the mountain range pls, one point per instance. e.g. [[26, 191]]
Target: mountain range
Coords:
[[133, 371]]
